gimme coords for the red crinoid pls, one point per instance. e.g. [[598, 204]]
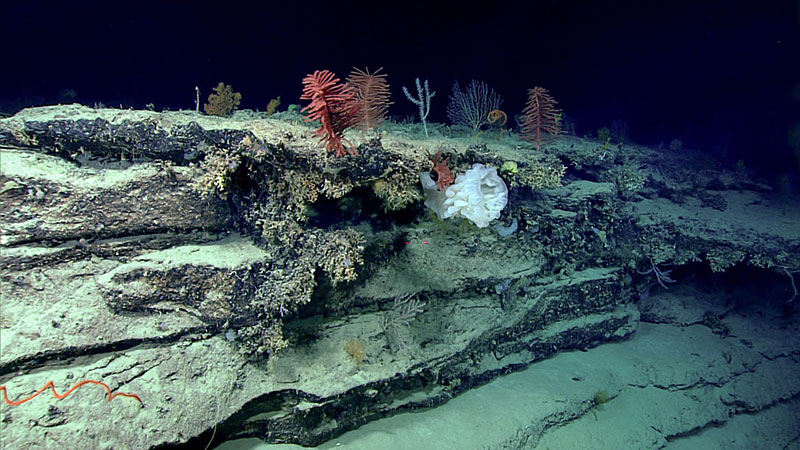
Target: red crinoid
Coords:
[[334, 105], [540, 118], [372, 93]]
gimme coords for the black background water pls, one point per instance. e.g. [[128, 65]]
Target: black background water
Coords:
[[720, 76]]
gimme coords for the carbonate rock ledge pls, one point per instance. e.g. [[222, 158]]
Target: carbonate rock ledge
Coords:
[[280, 304]]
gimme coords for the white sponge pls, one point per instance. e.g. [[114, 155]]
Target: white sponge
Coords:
[[478, 194]]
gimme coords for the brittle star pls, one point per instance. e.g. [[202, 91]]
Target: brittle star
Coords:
[[662, 276]]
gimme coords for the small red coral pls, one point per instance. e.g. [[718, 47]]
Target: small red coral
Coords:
[[334, 105], [444, 177]]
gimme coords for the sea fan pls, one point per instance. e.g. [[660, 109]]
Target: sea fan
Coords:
[[540, 116], [372, 92], [334, 105]]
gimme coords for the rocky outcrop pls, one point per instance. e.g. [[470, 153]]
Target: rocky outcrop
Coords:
[[242, 283]]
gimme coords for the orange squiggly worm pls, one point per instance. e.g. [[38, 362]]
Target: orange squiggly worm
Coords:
[[52, 386]]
